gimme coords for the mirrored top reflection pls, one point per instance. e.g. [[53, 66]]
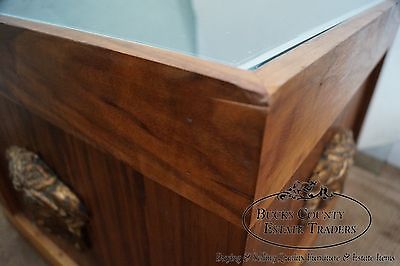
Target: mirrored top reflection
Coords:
[[240, 33]]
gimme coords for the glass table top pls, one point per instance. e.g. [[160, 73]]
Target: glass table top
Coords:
[[240, 33]]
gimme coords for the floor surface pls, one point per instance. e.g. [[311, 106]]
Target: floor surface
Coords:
[[381, 195], [14, 249]]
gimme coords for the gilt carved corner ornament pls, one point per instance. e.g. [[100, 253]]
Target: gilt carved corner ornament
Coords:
[[51, 203], [331, 169]]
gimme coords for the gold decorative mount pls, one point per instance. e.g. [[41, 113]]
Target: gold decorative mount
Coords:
[[334, 164], [51, 203]]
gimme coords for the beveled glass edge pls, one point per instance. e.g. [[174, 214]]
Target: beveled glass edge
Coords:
[[264, 58]]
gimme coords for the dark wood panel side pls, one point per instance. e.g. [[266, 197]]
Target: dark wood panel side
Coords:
[[133, 220], [195, 135], [326, 76], [351, 117], [354, 114], [7, 198]]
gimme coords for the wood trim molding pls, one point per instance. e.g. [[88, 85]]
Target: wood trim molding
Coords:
[[282, 70], [235, 76], [45, 246]]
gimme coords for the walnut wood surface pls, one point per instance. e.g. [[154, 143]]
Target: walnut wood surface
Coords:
[[187, 132], [350, 118], [133, 220], [178, 62], [167, 150], [199, 133], [311, 85]]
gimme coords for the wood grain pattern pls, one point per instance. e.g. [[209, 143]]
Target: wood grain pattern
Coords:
[[166, 150], [312, 84], [199, 133], [349, 118], [187, 132], [178, 62], [356, 110], [133, 220]]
